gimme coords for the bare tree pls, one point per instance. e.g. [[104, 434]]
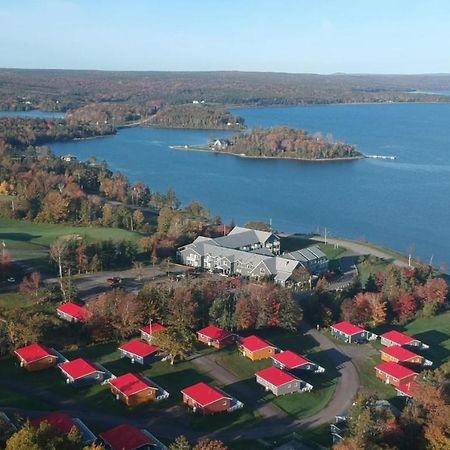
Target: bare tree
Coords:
[[58, 253]]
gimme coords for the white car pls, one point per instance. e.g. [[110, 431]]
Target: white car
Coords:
[[11, 280]]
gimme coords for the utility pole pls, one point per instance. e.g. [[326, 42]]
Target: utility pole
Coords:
[[325, 235], [270, 224], [431, 260]]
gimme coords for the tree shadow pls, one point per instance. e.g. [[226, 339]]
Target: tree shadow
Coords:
[[346, 263], [23, 237]]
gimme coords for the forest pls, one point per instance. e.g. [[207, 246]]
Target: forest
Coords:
[[199, 116], [63, 90], [283, 142]]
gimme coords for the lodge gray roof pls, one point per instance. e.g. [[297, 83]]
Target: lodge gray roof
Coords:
[[306, 254]]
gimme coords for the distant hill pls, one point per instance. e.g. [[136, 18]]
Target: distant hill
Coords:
[[69, 89]]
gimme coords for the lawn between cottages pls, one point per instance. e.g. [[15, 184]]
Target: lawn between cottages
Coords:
[[298, 405], [29, 241], [171, 378]]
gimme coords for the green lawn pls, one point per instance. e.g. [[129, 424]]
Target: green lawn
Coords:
[[370, 266], [10, 300], [29, 241], [298, 405]]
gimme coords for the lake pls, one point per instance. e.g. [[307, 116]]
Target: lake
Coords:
[[34, 114], [393, 203]]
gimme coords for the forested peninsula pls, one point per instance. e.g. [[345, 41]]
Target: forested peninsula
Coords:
[[285, 143], [198, 116]]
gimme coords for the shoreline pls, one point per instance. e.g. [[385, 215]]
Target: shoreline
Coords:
[[241, 155]]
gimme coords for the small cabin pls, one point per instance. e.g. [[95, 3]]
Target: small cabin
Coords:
[[394, 373], [394, 337], [128, 437], [280, 382], [402, 355], [149, 331], [288, 360], [81, 372], [36, 357], [350, 333], [215, 336], [256, 348], [73, 313], [133, 390], [138, 351]]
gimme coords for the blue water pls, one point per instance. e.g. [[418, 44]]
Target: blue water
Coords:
[[34, 114], [394, 203]]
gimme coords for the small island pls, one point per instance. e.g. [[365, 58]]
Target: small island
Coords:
[[196, 115], [281, 143]]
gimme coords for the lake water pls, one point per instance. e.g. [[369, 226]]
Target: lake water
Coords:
[[394, 203], [34, 114]]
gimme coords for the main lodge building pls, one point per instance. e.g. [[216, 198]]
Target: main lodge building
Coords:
[[251, 253]]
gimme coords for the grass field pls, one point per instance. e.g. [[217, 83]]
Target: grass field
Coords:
[[28, 242], [370, 266], [299, 405]]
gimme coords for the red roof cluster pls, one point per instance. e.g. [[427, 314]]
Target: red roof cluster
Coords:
[[397, 337], [214, 333], [154, 328], [126, 437], [75, 311], [275, 376], [399, 353], [59, 421], [395, 370], [347, 328], [290, 359], [139, 348], [33, 352], [78, 368], [130, 384], [203, 394], [254, 343]]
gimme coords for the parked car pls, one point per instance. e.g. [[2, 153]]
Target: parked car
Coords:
[[11, 280]]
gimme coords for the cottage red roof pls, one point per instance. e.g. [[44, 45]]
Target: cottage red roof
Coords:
[[408, 389], [33, 352], [126, 437], [275, 376], [395, 370], [400, 353], [290, 359], [153, 329], [139, 348], [397, 337], [75, 311], [254, 343], [347, 328], [130, 384], [215, 333], [59, 421], [78, 368], [203, 394]]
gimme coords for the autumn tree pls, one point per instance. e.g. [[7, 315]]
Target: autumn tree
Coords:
[[175, 342], [30, 285], [405, 307], [208, 444], [180, 443], [183, 307]]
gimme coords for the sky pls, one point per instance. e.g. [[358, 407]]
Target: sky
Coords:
[[314, 36]]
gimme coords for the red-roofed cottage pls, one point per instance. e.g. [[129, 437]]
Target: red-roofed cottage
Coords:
[[63, 424], [148, 331], [404, 356], [395, 374], [36, 357], [289, 360], [408, 389], [280, 382], [215, 336], [81, 372], [72, 312], [256, 348], [128, 437], [351, 333], [133, 390], [138, 351], [206, 399], [396, 338]]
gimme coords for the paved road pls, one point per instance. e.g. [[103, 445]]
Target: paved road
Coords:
[[173, 421], [361, 249]]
